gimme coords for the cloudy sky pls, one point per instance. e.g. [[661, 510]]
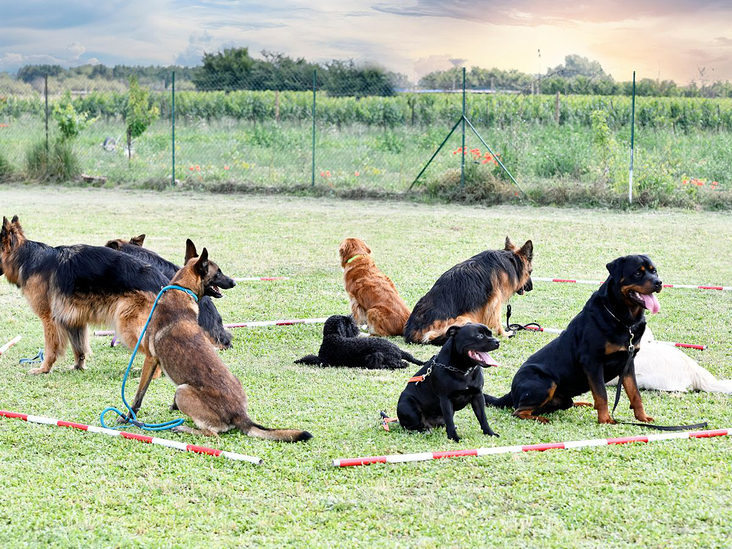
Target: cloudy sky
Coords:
[[671, 39]]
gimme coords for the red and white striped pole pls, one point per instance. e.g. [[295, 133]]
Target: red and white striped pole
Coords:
[[133, 436], [261, 278], [598, 282], [9, 344], [682, 345], [426, 456], [257, 324], [252, 324]]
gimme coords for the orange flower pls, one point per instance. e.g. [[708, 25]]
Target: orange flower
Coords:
[[226, 168]]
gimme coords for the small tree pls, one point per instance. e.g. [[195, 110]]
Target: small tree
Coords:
[[139, 114], [70, 122]]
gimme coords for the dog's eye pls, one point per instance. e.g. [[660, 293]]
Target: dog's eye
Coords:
[[480, 336], [638, 272]]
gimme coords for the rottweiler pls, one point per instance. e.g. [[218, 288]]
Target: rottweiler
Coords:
[[599, 344], [449, 381]]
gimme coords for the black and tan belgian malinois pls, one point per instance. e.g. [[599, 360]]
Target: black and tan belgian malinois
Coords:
[[206, 390]]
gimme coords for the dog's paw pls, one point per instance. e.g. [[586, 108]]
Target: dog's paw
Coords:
[[36, 371], [78, 366], [644, 418], [606, 420], [454, 438], [491, 433]]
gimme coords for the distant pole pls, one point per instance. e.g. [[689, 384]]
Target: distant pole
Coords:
[[632, 137], [45, 92], [462, 160], [315, 76], [172, 115]]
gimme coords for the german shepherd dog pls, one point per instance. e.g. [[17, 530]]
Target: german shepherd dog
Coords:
[[593, 349], [450, 381], [208, 316], [69, 287], [206, 390], [374, 298], [472, 291]]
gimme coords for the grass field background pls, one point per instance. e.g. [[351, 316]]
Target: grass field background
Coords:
[[60, 487], [378, 159]]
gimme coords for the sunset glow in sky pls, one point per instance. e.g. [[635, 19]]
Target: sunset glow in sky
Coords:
[[671, 39]]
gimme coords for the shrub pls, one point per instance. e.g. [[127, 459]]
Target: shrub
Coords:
[[6, 169], [57, 164], [481, 185], [70, 122]]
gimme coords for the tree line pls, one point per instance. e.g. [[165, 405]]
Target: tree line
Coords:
[[235, 69]]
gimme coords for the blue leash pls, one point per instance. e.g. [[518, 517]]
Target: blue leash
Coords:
[[133, 419]]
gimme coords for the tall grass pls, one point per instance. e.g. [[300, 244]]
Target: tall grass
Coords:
[[57, 163]]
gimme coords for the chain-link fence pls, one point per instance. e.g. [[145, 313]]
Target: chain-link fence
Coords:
[[346, 128]]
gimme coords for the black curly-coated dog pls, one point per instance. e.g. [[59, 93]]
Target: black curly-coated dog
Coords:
[[342, 346]]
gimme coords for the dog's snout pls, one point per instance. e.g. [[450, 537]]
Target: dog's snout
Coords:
[[658, 284]]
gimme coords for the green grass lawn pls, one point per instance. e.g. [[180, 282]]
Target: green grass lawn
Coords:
[[62, 487]]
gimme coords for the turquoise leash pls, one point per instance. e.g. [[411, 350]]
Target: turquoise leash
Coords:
[[133, 419]]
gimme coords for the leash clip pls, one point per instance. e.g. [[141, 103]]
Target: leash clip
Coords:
[[425, 375]]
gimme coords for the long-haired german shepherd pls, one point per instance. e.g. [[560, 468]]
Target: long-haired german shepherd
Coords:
[[69, 287], [205, 388], [472, 291], [208, 316]]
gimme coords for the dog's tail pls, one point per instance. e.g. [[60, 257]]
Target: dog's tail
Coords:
[[310, 359], [249, 428], [409, 358], [703, 380], [505, 401]]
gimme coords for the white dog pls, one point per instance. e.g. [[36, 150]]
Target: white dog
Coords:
[[662, 367]]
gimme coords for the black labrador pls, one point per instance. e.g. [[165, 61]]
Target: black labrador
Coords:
[[449, 381]]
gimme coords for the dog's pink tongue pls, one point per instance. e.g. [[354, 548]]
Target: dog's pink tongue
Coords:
[[485, 358], [651, 303]]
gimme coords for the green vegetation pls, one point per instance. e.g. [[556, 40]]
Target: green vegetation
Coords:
[[138, 114], [422, 110], [61, 487], [56, 163]]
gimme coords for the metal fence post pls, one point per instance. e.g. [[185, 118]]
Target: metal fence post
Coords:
[[172, 116], [632, 136], [315, 75], [45, 92], [462, 160]]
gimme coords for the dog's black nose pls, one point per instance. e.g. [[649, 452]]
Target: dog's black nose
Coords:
[[658, 284]]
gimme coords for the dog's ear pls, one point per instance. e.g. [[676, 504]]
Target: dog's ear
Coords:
[[201, 265], [452, 331], [137, 240], [509, 245], [527, 250], [114, 244], [190, 250], [4, 230], [615, 268]]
